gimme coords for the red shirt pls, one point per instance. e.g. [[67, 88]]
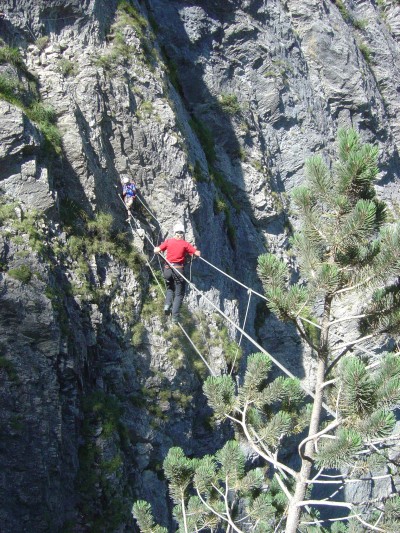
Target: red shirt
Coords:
[[177, 250]]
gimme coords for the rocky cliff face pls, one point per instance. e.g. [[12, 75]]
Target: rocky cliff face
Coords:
[[212, 107]]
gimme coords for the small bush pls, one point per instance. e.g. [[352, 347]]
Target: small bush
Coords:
[[205, 137], [229, 104], [343, 10], [22, 273], [7, 211], [138, 332], [42, 42], [67, 68], [11, 90], [12, 56], [197, 172], [42, 114], [360, 24], [366, 52], [129, 16], [146, 109], [220, 206], [101, 226]]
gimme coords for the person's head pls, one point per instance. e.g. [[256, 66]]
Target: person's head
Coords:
[[179, 231], [125, 180]]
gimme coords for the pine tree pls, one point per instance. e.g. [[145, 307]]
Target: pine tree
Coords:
[[343, 247]]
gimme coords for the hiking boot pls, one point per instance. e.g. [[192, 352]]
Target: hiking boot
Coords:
[[167, 310]]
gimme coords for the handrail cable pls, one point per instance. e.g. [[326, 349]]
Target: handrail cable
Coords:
[[258, 346], [241, 335], [266, 299], [368, 352], [179, 324]]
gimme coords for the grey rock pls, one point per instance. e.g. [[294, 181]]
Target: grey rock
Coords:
[[298, 73]]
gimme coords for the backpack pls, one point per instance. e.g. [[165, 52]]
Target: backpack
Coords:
[[130, 189]]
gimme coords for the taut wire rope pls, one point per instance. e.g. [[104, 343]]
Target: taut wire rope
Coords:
[[162, 290], [241, 335], [368, 352]]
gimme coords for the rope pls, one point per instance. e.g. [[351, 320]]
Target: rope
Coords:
[[258, 346], [235, 280], [241, 335], [162, 290], [194, 346], [238, 328], [266, 299], [148, 210]]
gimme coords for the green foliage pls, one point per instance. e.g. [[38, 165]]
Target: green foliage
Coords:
[[343, 10], [220, 392], [67, 68], [95, 236], [121, 52], [229, 104], [141, 511], [197, 172], [178, 469], [273, 272], [10, 89], [211, 478], [357, 388], [9, 367], [342, 245], [7, 210], [339, 452], [146, 109], [366, 52], [14, 92], [378, 425], [206, 139], [360, 24], [138, 332], [22, 273], [12, 56], [129, 16], [383, 312], [101, 499], [42, 42], [173, 71], [43, 115], [104, 411], [258, 368]]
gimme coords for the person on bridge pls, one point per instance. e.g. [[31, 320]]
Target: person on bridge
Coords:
[[177, 251], [129, 192]]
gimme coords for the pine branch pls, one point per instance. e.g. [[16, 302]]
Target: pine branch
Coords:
[[268, 457], [328, 428], [342, 504]]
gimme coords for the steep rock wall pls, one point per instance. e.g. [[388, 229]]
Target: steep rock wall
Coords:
[[212, 106]]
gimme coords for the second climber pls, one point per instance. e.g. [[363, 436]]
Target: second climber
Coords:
[[177, 249], [129, 192]]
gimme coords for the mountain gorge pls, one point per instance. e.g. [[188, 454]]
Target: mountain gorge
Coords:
[[212, 107]]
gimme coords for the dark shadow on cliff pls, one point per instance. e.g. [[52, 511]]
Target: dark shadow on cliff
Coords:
[[215, 119]]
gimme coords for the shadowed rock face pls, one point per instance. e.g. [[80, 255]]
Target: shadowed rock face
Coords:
[[212, 111]]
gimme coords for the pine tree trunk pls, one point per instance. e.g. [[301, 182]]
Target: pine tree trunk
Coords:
[[294, 511]]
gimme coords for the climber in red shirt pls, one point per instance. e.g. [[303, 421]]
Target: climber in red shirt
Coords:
[[177, 250]]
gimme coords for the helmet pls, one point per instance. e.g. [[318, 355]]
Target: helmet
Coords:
[[179, 228], [125, 180]]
